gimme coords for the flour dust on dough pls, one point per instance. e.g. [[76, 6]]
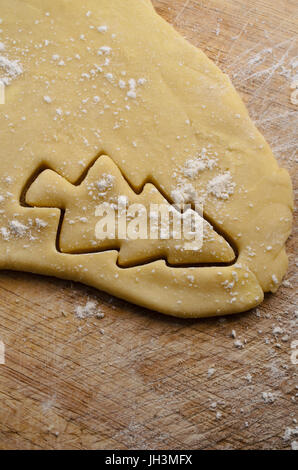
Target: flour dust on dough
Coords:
[[109, 88]]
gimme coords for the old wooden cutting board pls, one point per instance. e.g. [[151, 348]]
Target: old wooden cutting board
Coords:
[[139, 380]]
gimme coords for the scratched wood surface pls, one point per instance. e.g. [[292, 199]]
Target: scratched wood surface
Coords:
[[139, 380]]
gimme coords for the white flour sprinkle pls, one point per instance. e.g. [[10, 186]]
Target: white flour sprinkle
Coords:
[[90, 309], [278, 331], [289, 432], [132, 93], [102, 29], [109, 77], [200, 163], [102, 186], [222, 186], [9, 70], [105, 184], [248, 377], [274, 279], [184, 193], [142, 81], [47, 99], [238, 344], [17, 228], [5, 233], [268, 397], [40, 223], [104, 50]]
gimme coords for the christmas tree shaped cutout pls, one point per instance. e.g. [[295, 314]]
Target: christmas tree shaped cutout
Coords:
[[104, 184]]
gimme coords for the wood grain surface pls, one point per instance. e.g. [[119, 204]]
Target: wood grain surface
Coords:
[[136, 379]]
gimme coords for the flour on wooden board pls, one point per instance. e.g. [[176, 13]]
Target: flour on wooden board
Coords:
[[90, 309]]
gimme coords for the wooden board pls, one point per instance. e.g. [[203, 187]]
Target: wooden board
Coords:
[[139, 380]]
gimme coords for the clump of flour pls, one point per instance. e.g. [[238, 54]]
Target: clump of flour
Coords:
[[89, 310], [221, 186], [9, 69], [101, 187], [184, 193], [105, 184], [200, 163]]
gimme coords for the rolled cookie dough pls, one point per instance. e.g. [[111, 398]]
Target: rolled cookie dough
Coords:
[[108, 86]]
